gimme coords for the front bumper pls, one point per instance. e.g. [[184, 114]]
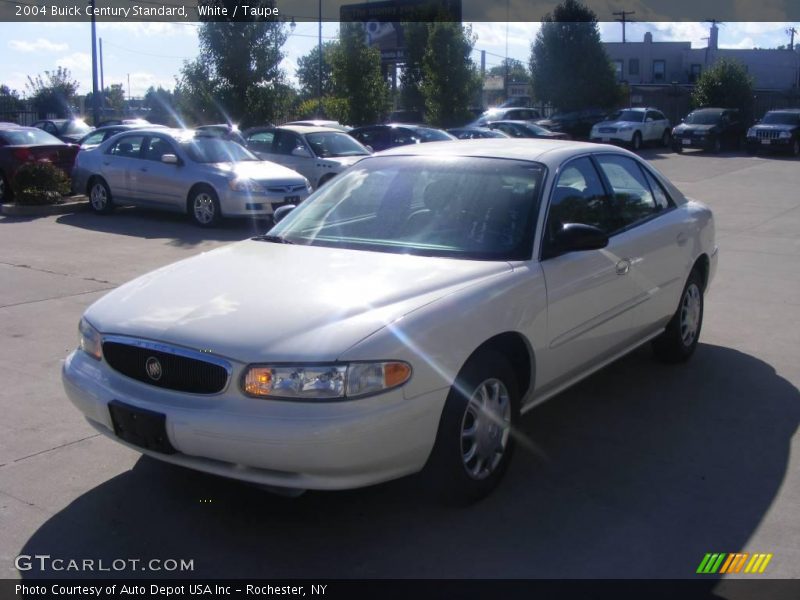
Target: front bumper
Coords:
[[246, 204], [618, 137], [692, 141], [779, 144], [305, 445]]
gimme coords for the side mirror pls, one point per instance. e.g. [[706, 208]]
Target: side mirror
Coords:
[[577, 237], [301, 152], [169, 159], [370, 148], [282, 211]]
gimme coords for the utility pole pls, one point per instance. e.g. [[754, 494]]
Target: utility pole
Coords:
[[791, 31], [95, 96], [623, 14], [102, 81]]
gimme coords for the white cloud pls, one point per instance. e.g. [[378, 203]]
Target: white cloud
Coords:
[[77, 61], [149, 29], [38, 45]]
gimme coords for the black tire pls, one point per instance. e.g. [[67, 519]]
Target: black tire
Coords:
[[679, 340], [100, 199], [715, 145], [794, 149], [203, 206], [677, 148], [455, 478], [666, 139], [636, 141], [751, 149], [6, 193]]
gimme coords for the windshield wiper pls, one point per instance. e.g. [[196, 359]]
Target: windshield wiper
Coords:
[[276, 239]]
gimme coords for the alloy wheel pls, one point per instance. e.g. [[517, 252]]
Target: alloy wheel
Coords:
[[690, 314], [204, 209], [98, 197]]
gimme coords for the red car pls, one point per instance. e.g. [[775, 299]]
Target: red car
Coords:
[[21, 145]]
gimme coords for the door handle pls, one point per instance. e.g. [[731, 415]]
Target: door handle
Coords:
[[143, 169], [623, 267], [106, 163], [682, 238]]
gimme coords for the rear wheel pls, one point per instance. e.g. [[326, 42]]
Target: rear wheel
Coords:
[[666, 139], [204, 207], [795, 147], [679, 340], [715, 146], [636, 141], [475, 441], [100, 197]]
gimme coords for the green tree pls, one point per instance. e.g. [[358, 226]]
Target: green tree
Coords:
[[516, 70], [9, 99], [113, 100], [449, 77], [237, 77], [357, 78], [569, 65], [415, 35], [53, 93], [308, 71], [726, 84], [160, 104]]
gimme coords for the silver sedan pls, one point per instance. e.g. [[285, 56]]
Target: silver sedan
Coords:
[[182, 171]]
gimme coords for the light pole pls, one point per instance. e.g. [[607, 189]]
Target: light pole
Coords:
[[319, 75]]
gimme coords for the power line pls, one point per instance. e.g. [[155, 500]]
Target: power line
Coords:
[[623, 14]]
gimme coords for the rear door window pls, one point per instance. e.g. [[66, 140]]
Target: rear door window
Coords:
[[632, 199], [127, 146]]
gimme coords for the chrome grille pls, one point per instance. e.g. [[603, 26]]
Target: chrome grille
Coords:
[[177, 369], [607, 130], [767, 134], [286, 189]]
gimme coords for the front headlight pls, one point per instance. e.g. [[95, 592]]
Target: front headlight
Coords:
[[785, 134], [90, 340], [245, 185], [324, 381], [751, 132]]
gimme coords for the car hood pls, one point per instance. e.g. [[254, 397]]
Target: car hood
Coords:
[[259, 169], [695, 127], [260, 301], [775, 127], [616, 124]]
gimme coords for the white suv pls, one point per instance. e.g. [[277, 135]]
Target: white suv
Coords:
[[633, 126]]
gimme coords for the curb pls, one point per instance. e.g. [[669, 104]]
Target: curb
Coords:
[[44, 210]]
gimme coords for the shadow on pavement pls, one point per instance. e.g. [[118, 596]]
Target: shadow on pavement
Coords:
[[636, 472], [152, 224]]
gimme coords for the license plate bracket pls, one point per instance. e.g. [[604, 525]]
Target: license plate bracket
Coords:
[[141, 427], [686, 142], [766, 141]]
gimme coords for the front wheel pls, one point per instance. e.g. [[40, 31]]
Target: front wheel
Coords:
[[204, 207], [475, 440], [795, 148], [5, 190], [679, 340], [666, 139], [636, 142]]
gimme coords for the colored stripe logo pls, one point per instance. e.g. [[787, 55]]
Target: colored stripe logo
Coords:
[[736, 562]]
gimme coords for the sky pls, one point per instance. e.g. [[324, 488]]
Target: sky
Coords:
[[151, 54]]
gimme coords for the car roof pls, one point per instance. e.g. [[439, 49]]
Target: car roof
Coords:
[[304, 129], [714, 110], [791, 111], [550, 152]]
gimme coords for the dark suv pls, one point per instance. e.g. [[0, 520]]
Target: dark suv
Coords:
[[711, 129], [778, 130], [577, 124]]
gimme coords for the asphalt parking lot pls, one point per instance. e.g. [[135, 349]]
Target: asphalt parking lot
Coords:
[[637, 472]]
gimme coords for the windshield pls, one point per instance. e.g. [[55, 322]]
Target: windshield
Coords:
[[332, 144], [633, 116], [432, 135], [215, 150], [777, 118], [536, 129], [471, 208], [76, 127], [703, 118], [28, 137]]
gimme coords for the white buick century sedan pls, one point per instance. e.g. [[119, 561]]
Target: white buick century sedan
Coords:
[[401, 319]]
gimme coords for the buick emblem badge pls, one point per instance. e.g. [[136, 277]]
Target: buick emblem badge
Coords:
[[153, 368]]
